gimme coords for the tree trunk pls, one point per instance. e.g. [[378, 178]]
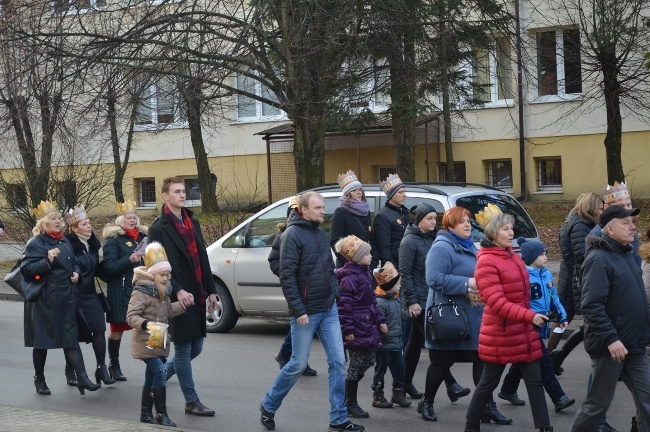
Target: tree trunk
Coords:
[[614, 135], [309, 151], [450, 170]]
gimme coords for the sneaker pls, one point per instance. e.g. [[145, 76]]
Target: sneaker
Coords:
[[267, 418], [309, 371], [606, 428], [513, 398], [563, 402], [347, 426], [281, 361]]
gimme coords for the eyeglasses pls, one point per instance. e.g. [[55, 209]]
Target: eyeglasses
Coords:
[[357, 190]]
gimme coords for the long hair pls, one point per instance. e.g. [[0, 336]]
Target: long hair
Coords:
[[587, 206]]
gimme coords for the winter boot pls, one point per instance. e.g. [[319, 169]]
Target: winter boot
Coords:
[[354, 410], [114, 355], [490, 412], [455, 391], [558, 355], [425, 407], [399, 398], [83, 383], [70, 376], [146, 404], [41, 386], [378, 399], [160, 401], [102, 375], [410, 390]]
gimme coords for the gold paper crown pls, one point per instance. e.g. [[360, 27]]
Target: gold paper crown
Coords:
[[293, 202], [154, 253], [351, 245], [615, 192], [385, 274], [484, 216], [128, 206], [391, 182], [345, 179], [44, 209], [76, 215]]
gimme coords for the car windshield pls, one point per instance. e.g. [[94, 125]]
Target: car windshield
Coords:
[[523, 226]]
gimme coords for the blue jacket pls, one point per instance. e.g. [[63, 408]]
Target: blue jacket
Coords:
[[543, 296], [448, 269]]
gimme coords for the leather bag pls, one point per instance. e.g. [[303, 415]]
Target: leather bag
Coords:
[[29, 289], [446, 323]]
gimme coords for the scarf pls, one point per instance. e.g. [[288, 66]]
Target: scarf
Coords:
[[357, 208], [465, 243], [185, 229], [132, 232], [84, 240], [57, 236]]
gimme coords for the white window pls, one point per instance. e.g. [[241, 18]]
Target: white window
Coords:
[[147, 192], [492, 73], [159, 103], [499, 174], [558, 64], [68, 7], [192, 192], [249, 108], [17, 196], [549, 174]]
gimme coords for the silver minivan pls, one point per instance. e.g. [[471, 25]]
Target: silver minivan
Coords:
[[247, 287]]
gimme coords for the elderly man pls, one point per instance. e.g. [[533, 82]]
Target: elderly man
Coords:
[[310, 288], [617, 321]]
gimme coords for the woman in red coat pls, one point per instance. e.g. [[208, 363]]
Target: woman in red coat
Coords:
[[507, 334]]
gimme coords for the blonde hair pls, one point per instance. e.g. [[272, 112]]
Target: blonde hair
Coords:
[[587, 205], [494, 225], [39, 229]]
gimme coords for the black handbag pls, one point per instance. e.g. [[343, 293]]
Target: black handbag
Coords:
[[29, 289], [446, 323], [102, 299]]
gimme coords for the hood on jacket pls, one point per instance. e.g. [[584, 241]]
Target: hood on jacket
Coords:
[[143, 282], [644, 252], [446, 237], [413, 229], [606, 243], [351, 268], [113, 231], [379, 292], [301, 222]]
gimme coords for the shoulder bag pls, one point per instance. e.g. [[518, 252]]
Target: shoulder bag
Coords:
[[446, 322], [102, 297], [29, 289]]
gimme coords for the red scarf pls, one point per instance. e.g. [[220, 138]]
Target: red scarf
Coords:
[[185, 229], [58, 236], [133, 233]]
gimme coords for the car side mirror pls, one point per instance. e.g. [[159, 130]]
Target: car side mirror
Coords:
[[240, 240]]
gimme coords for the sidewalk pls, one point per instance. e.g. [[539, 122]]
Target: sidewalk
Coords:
[[22, 420]]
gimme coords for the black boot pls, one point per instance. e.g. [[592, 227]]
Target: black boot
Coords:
[[160, 401], [472, 427], [70, 376], [114, 355], [425, 407], [399, 398], [456, 391], [101, 374], [558, 355], [354, 410], [410, 390], [41, 386], [490, 412], [146, 404], [83, 383]]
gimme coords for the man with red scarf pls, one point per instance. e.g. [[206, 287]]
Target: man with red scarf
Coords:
[[180, 234]]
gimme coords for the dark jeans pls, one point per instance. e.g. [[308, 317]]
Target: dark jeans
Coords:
[[385, 360], [285, 349], [551, 384], [490, 381], [156, 374], [413, 350]]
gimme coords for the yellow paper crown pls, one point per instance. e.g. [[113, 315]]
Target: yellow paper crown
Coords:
[[484, 216], [391, 182], [385, 274], [615, 192], [44, 209], [351, 245], [154, 253], [293, 202], [76, 215], [128, 206], [345, 179]]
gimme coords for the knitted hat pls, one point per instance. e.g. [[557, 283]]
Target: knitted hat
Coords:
[[391, 185], [348, 182], [422, 210], [76, 215], [530, 249], [155, 259], [616, 192], [352, 248], [386, 276]]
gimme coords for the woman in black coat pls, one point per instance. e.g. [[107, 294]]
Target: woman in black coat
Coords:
[[51, 319], [86, 248], [352, 217], [120, 258]]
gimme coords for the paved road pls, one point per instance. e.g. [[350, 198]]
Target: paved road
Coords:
[[232, 375]]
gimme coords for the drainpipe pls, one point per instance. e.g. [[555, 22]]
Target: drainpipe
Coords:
[[520, 101]]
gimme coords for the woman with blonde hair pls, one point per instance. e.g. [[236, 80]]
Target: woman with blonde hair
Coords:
[[51, 319]]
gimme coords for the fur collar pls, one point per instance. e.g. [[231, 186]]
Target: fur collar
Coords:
[[606, 243], [644, 252], [114, 231], [78, 247]]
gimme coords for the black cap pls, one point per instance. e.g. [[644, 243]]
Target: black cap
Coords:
[[616, 212]]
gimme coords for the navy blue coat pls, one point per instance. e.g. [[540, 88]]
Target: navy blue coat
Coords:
[[390, 226], [412, 257]]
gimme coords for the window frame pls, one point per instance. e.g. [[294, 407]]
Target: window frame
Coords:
[[191, 202], [443, 167], [141, 202], [9, 189], [152, 89], [561, 95], [493, 75], [540, 177], [259, 105], [489, 174]]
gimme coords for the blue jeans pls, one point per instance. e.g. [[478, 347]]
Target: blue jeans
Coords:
[[156, 373], [328, 328], [180, 364], [385, 360]]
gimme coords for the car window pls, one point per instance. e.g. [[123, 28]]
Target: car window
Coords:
[[264, 228], [231, 242], [523, 227]]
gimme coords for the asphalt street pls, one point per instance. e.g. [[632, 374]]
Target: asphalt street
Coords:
[[232, 375]]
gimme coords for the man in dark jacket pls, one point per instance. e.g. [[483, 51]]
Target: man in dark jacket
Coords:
[[617, 321], [180, 234], [391, 221], [310, 288]]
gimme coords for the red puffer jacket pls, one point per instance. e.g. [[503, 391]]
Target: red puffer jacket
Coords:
[[507, 334]]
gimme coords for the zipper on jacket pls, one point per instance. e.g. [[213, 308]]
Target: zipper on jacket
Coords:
[[315, 232], [123, 282], [306, 289]]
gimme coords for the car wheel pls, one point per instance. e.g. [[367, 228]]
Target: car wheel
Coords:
[[224, 317]]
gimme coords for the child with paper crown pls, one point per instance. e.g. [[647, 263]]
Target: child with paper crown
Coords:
[[149, 311], [360, 318]]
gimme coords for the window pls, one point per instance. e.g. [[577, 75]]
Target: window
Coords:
[[17, 196], [249, 108], [491, 71], [558, 62], [147, 192], [192, 192], [159, 102], [384, 172], [499, 174], [459, 167], [549, 174], [68, 7], [66, 193]]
